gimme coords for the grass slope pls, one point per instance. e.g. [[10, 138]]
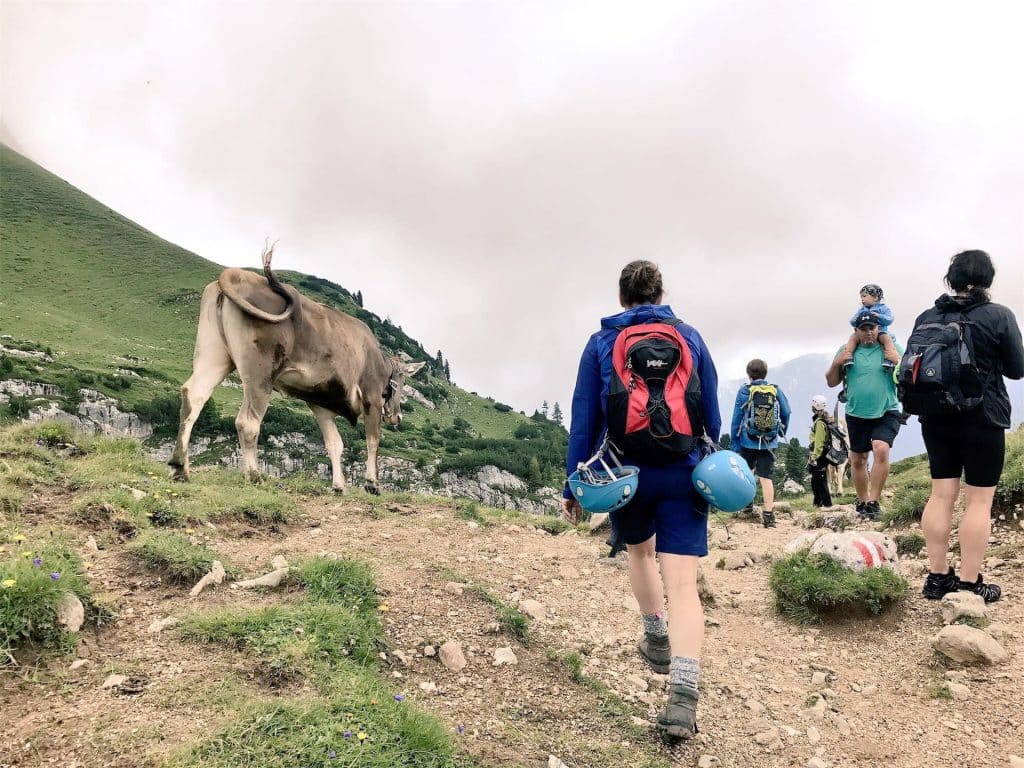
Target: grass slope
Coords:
[[115, 307]]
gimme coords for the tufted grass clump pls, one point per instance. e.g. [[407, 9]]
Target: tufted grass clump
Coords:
[[34, 578], [174, 556], [810, 587], [908, 502], [909, 544], [341, 582]]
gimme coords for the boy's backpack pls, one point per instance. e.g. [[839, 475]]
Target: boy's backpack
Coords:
[[837, 451], [937, 374], [762, 420], [654, 407]]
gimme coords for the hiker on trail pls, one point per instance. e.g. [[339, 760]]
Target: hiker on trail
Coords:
[[873, 299], [963, 421], [760, 417], [665, 516], [872, 411], [817, 463]]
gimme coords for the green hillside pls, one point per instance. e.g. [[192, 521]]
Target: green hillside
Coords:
[[97, 301]]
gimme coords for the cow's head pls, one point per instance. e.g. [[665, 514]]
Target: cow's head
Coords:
[[392, 408]]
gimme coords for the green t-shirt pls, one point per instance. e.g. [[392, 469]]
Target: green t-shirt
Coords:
[[870, 388]]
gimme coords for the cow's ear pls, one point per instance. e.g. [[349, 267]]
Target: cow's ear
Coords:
[[411, 369]]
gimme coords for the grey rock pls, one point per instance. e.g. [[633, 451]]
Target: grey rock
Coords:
[[956, 605], [969, 645], [452, 656]]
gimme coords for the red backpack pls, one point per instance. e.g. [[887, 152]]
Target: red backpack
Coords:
[[655, 412]]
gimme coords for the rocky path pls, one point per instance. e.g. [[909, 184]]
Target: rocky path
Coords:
[[860, 692]]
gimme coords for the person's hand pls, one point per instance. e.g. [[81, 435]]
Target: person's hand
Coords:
[[571, 510], [844, 357]]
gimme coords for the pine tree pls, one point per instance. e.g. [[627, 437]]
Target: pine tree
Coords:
[[439, 363], [726, 441], [359, 298], [544, 409], [447, 372], [556, 414], [796, 461]]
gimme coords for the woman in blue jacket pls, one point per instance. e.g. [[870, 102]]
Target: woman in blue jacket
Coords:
[[665, 517]]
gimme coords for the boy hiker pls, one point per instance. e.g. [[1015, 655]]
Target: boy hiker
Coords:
[[759, 418]]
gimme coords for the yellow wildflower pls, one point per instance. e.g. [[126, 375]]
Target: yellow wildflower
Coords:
[[8, 583], [18, 538], [384, 607], [361, 735], [27, 553]]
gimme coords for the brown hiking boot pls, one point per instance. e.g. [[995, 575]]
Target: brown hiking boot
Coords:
[[679, 718], [655, 651]]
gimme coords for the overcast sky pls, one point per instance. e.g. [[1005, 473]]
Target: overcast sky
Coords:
[[483, 170]]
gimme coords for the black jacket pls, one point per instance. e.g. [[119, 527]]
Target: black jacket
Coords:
[[996, 345]]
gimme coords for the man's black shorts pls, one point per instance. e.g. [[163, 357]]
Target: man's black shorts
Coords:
[[761, 460], [863, 431], [958, 444]]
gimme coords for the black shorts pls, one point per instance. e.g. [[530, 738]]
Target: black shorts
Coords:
[[863, 431], [958, 445], [760, 460]]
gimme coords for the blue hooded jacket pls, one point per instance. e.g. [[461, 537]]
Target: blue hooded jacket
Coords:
[[589, 400], [739, 436]]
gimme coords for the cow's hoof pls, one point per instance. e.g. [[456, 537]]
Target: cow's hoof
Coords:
[[372, 489], [339, 491], [178, 474]]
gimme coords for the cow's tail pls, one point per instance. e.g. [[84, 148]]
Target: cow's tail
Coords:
[[290, 295]]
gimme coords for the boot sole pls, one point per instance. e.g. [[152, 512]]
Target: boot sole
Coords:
[[676, 732]]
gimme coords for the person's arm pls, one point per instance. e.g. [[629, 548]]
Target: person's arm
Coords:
[[834, 375], [737, 411], [1011, 351], [587, 421], [708, 389], [784, 412], [884, 312]]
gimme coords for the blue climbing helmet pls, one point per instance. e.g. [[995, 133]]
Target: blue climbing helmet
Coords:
[[600, 487], [725, 481]]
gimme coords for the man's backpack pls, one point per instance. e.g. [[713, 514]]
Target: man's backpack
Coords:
[[837, 450], [762, 419], [654, 407], [937, 374]]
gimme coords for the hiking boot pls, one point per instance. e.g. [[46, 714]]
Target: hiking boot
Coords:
[[860, 508], [768, 519], [871, 511], [937, 585], [679, 718], [988, 592], [655, 651], [616, 542]]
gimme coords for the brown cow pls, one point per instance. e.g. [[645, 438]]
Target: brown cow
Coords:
[[276, 338]]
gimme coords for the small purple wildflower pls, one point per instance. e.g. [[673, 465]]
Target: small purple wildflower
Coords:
[[37, 561], [462, 729], [332, 755], [347, 734], [55, 576], [399, 697]]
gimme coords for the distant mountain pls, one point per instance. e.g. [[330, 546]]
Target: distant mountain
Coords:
[[804, 377]]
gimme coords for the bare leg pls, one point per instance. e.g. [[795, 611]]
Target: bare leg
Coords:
[[851, 343], [644, 577], [333, 444], [879, 468], [888, 348], [859, 474], [250, 416], [937, 522], [685, 612], [974, 530], [768, 491]]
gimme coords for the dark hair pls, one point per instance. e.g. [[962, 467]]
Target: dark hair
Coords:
[[757, 369], [971, 272], [640, 283]]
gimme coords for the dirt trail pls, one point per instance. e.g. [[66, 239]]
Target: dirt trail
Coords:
[[881, 673]]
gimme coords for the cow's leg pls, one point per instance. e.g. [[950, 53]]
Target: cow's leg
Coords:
[[333, 444], [250, 416], [210, 364], [371, 417]]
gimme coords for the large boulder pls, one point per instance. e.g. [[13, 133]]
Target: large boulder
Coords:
[[858, 550], [969, 645]]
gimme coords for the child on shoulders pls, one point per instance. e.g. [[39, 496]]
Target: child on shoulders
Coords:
[[872, 298]]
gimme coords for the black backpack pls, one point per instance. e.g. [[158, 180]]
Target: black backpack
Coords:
[[938, 374]]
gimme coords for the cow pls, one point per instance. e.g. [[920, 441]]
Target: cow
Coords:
[[276, 338]]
